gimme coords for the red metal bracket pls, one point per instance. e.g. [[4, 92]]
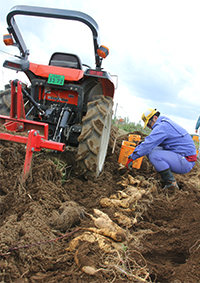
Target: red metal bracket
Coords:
[[17, 103], [23, 125]]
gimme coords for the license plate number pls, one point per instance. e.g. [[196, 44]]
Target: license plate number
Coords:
[[56, 79]]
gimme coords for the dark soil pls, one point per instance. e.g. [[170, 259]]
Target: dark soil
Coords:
[[41, 217]]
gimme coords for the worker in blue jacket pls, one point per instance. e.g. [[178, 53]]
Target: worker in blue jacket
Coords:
[[196, 130], [169, 147], [197, 125]]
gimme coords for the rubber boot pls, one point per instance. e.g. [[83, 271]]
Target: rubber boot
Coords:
[[168, 179]]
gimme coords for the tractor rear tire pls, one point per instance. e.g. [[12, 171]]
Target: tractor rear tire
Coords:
[[94, 138], [5, 102]]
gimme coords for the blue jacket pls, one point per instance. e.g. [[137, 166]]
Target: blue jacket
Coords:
[[198, 123], [168, 135]]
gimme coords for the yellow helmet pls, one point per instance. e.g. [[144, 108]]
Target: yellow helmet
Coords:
[[146, 116]]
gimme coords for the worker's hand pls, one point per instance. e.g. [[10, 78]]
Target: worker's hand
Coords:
[[139, 142], [129, 164], [195, 130]]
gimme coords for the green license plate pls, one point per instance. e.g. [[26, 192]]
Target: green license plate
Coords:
[[56, 79]]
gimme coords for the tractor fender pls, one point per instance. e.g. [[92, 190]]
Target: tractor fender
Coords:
[[104, 79], [108, 87]]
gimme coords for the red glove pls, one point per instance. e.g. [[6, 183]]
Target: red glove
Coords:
[[139, 142], [129, 164]]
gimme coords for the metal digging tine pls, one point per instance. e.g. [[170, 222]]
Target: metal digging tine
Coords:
[[34, 142]]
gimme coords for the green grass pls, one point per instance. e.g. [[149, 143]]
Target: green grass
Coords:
[[131, 127]]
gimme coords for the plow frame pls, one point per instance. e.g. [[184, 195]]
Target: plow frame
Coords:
[[35, 133]]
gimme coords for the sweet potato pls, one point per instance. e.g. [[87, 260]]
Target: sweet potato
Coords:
[[103, 221], [89, 270], [92, 235], [133, 181], [106, 202], [121, 194], [124, 220], [134, 193], [118, 236]]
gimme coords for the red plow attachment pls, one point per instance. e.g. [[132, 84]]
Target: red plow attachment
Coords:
[[36, 133]]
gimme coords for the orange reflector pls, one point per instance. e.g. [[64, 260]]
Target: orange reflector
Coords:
[[12, 65], [7, 39], [103, 51]]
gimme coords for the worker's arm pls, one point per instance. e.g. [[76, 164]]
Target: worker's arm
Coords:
[[154, 139], [197, 124]]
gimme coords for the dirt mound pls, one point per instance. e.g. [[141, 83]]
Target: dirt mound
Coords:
[[119, 227]]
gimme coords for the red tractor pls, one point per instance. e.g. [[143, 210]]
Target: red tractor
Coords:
[[64, 106]]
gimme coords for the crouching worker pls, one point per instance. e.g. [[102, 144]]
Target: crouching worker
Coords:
[[169, 147]]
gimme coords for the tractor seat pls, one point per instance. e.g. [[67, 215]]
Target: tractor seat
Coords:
[[65, 60]]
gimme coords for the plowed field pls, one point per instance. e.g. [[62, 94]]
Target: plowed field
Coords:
[[120, 227]]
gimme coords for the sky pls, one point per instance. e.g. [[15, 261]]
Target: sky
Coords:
[[154, 50]]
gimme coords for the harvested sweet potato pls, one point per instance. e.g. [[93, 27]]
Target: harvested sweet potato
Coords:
[[118, 236], [124, 220], [133, 181], [106, 226], [86, 236], [89, 270], [105, 243], [103, 221], [121, 194], [134, 193], [125, 199], [107, 202]]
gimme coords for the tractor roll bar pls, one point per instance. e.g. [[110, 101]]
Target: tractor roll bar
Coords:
[[50, 13]]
